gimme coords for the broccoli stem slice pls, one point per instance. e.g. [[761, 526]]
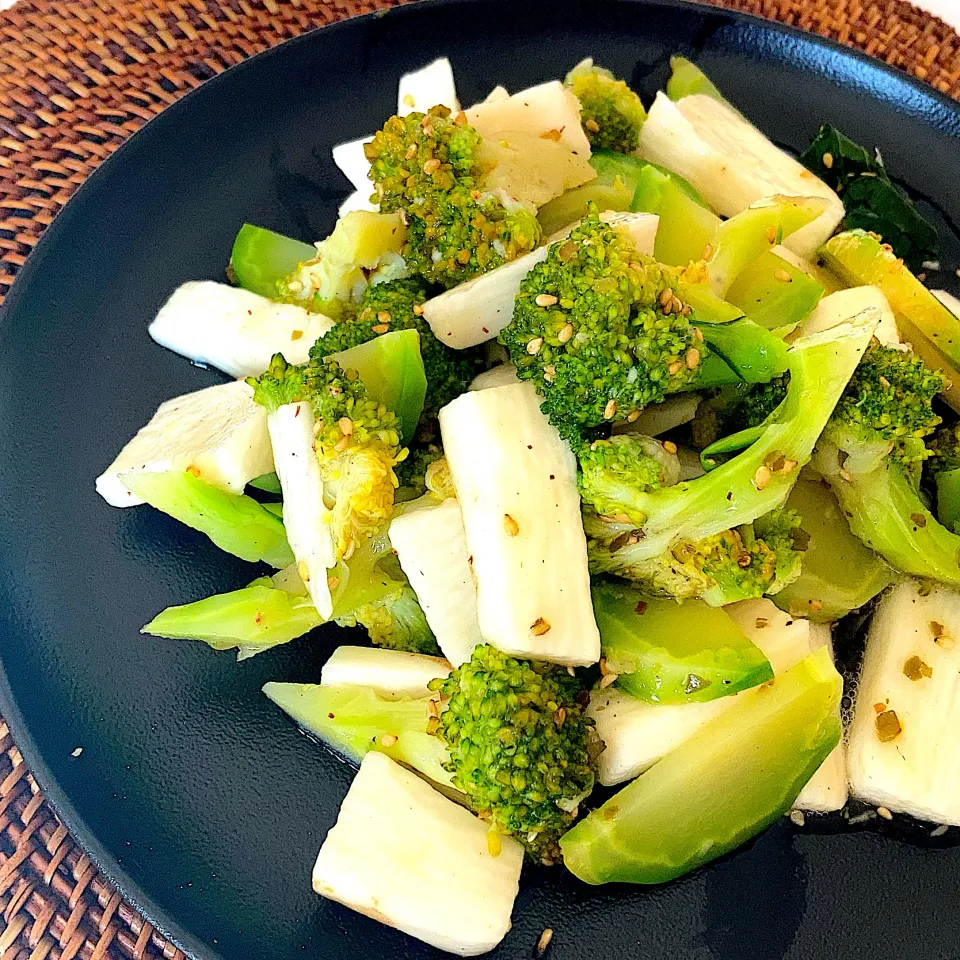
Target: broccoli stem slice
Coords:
[[948, 498], [353, 720], [759, 480], [687, 80], [885, 511], [234, 522], [261, 259], [253, 619]]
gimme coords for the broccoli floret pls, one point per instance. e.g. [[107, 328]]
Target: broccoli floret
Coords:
[[739, 406], [395, 621], [872, 453], [944, 450], [733, 565], [612, 471], [395, 305], [357, 444], [426, 166], [412, 473], [597, 328], [611, 113], [521, 748], [886, 410]]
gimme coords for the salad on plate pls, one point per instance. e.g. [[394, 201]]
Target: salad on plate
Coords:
[[595, 416]]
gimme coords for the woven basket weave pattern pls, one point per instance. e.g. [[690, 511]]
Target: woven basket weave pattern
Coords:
[[76, 79]]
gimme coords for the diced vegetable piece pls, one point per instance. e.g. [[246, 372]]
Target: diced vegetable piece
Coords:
[[393, 674], [687, 226], [825, 315], [743, 238], [358, 200], [608, 193], [261, 258], [267, 482], [930, 328], [732, 163], [545, 109], [502, 375], [826, 791], [638, 734], [886, 512], [219, 431], [234, 330], [687, 79], [811, 268], [903, 747], [432, 549], [234, 522], [354, 165], [391, 369], [724, 785], [392, 838], [516, 481], [476, 311], [667, 652], [427, 87], [253, 619], [774, 293], [948, 498], [355, 719], [839, 573], [307, 516], [754, 354], [662, 417]]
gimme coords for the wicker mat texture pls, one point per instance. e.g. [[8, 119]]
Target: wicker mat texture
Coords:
[[77, 77]]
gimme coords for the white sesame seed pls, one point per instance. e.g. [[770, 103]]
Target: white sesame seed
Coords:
[[534, 345], [610, 409], [545, 300], [566, 333], [885, 813]]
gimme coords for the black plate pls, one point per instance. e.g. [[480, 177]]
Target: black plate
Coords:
[[192, 791]]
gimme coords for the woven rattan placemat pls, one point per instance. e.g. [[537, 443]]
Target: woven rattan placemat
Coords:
[[76, 79]]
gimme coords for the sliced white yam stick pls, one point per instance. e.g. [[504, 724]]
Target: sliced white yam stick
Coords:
[[544, 109], [392, 673], [660, 417], [358, 200], [904, 753], [235, 330], [732, 164], [948, 300], [353, 163], [305, 516], [500, 376], [516, 481], [835, 308], [431, 545], [402, 853], [220, 431], [431, 86]]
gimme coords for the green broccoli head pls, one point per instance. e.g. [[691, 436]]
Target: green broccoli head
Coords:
[[396, 305], [753, 560], [611, 471], [426, 166], [521, 748], [395, 621], [282, 383], [596, 326], [611, 113], [944, 450], [886, 410], [412, 473]]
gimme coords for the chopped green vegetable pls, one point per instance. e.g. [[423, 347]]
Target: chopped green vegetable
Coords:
[[667, 652], [610, 112], [261, 259], [354, 720], [775, 294], [253, 619], [944, 466], [725, 784], [687, 80], [870, 200], [234, 522], [839, 573], [391, 369], [268, 483]]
